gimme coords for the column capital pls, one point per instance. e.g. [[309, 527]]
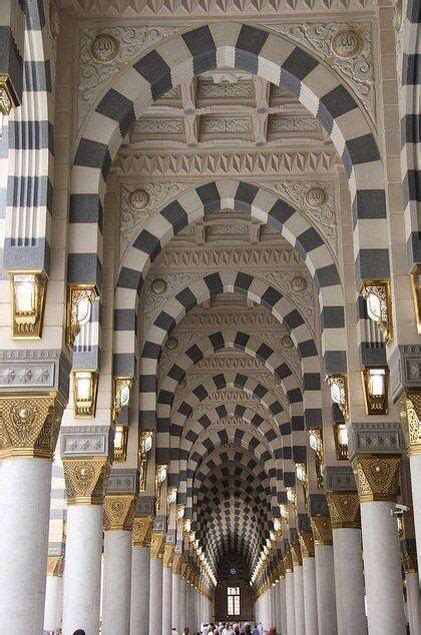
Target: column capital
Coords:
[[409, 556], [376, 476], [177, 562], [167, 558], [55, 566], [306, 544], [408, 405], [405, 369], [322, 530], [287, 560], [118, 511], [344, 509], [29, 424], [86, 479], [141, 531], [297, 560], [157, 544]]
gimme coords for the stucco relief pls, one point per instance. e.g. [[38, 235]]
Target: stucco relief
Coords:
[[94, 73], [352, 58]]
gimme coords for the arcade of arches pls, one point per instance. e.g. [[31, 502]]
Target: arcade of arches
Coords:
[[210, 316]]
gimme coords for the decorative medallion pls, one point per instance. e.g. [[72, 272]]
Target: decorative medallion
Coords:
[[346, 43], [287, 342], [158, 286], [139, 199], [315, 196], [172, 343], [104, 48], [298, 284]]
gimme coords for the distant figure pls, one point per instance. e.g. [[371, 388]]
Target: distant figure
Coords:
[[186, 631], [79, 631], [260, 628], [174, 631], [256, 631]]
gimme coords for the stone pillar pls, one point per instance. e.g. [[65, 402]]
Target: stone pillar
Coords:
[[155, 587], [167, 597], [176, 590], [298, 589], [283, 606], [141, 536], [325, 575], [376, 477], [29, 427], [289, 592], [309, 583], [182, 598], [344, 511], [85, 486], [53, 594], [118, 522], [413, 598]]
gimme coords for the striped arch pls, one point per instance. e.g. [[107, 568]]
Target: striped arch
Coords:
[[259, 52], [259, 349], [410, 129], [260, 204], [30, 134], [201, 290]]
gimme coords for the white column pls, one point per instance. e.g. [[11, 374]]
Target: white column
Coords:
[[299, 600], [155, 597], [382, 569], [82, 569], [24, 513], [139, 607], [182, 598], [349, 581], [283, 606], [413, 602], [415, 466], [176, 582], [53, 603], [117, 582], [167, 600], [325, 585], [278, 621], [289, 600], [310, 595]]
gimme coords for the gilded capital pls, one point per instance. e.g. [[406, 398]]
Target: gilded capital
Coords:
[[408, 406], [344, 509], [288, 564], [157, 544], [118, 511], [55, 566], [167, 558], [141, 531], [176, 562], [306, 544], [376, 476], [297, 560], [409, 562], [86, 479], [29, 425], [322, 530]]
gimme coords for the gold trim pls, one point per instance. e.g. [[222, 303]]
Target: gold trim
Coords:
[[55, 566], [28, 326], [157, 544], [85, 409], [118, 512], [6, 100], [75, 293], [381, 289], [375, 405], [416, 293], [306, 544], [408, 406], [344, 509], [141, 531], [86, 479], [322, 530], [297, 559], [167, 558], [376, 476], [287, 560]]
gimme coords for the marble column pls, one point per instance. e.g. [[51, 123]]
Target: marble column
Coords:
[[348, 561], [26, 460], [325, 575], [85, 477], [118, 521], [277, 595], [376, 477], [310, 595], [413, 601], [298, 588], [289, 592], [182, 598], [283, 606], [155, 587], [53, 594], [167, 597], [176, 591], [140, 582]]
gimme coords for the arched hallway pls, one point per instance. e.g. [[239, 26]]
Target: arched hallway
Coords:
[[210, 317]]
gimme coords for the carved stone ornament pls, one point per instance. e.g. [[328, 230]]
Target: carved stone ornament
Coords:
[[322, 530], [141, 531], [376, 476], [55, 566], [346, 46], [86, 479], [287, 560], [118, 512], [29, 425], [167, 558], [306, 544], [297, 560], [176, 562], [104, 47], [157, 544], [138, 199], [409, 409], [344, 509]]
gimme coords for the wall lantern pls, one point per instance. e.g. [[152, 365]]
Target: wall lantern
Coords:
[[85, 385], [121, 394], [6, 99], [172, 495], [180, 512], [283, 511], [161, 471], [316, 442], [375, 383], [341, 441], [120, 443], [28, 300], [379, 308], [291, 496], [145, 445], [339, 391], [80, 299], [301, 472]]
